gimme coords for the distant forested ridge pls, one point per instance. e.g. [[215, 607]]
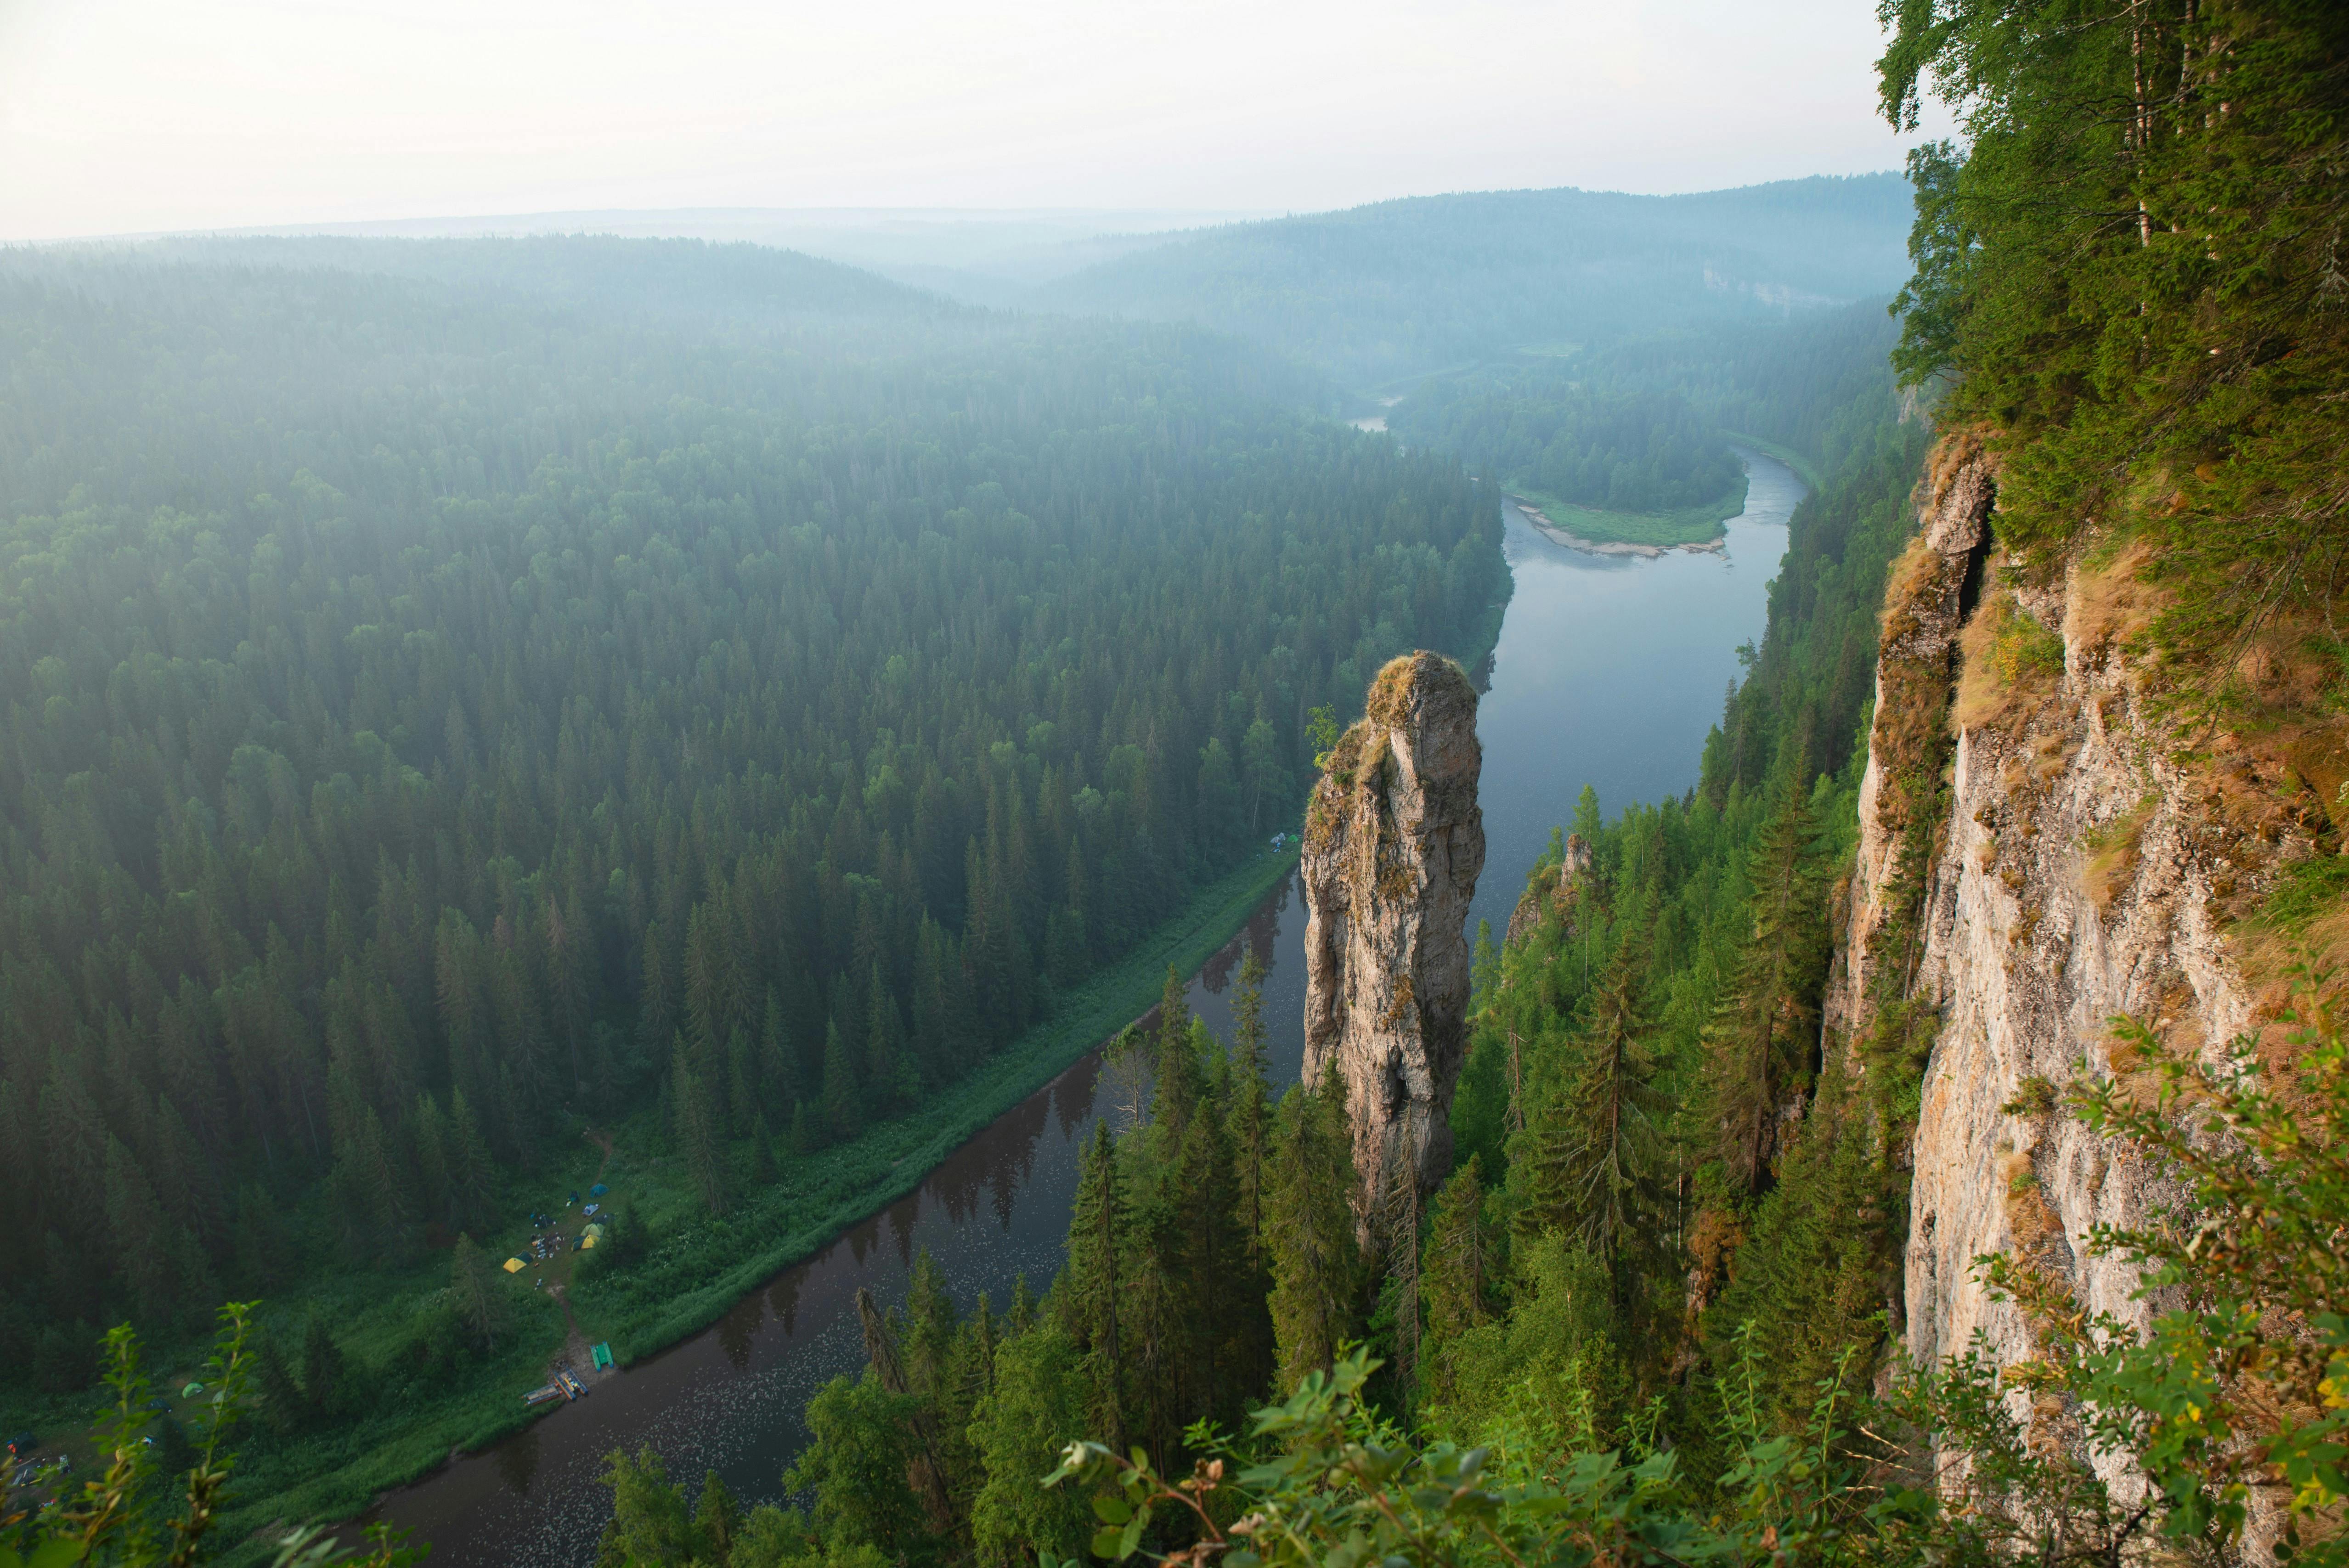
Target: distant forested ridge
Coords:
[[1627, 452], [434, 712], [1407, 288]]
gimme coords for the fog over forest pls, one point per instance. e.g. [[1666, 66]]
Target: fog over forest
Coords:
[[558, 759]]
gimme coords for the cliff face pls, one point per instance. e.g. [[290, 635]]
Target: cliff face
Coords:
[[1394, 841], [2032, 863]]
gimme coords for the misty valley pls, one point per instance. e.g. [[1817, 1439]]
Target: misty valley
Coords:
[[1525, 876]]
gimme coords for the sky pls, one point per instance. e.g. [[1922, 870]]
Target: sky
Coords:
[[139, 116]]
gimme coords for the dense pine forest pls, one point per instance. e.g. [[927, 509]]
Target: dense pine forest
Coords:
[[447, 711], [1213, 1256], [1633, 453]]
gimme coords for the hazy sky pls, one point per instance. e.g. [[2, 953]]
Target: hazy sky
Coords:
[[121, 116]]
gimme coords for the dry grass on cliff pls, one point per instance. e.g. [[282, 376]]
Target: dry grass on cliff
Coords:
[[2113, 851], [1913, 574], [2110, 602], [2012, 666]]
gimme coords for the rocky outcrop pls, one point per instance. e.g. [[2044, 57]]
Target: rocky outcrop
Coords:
[[2033, 859], [1930, 589], [1547, 888], [1394, 841]]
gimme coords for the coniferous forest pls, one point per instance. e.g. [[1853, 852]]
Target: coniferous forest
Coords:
[[1652, 1316], [1625, 453], [475, 701], [445, 712]]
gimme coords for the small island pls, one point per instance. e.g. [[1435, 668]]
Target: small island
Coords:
[[1695, 528], [1617, 473]]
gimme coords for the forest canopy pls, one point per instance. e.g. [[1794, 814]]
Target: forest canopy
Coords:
[[439, 707], [1630, 452]]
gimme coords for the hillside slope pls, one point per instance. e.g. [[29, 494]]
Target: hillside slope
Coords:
[[1406, 287]]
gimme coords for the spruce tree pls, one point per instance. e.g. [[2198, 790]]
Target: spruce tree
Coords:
[[1250, 1108], [1222, 1294], [843, 1118], [742, 1107], [778, 1090], [323, 1373], [717, 1519], [470, 1173], [473, 1288], [1041, 1402], [136, 1224], [282, 1405], [1460, 1270], [927, 1342], [891, 1079], [1091, 1290], [1591, 1162], [655, 995], [1317, 1263], [428, 1132], [1176, 1092], [1758, 1045]]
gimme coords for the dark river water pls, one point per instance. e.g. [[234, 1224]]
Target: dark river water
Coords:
[[1609, 670]]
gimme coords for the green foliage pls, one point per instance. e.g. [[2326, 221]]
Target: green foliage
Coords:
[[480, 714], [1627, 452], [392, 816], [1759, 1043], [1325, 1479], [1037, 1407], [2160, 350], [1318, 1269], [473, 1291], [2211, 1400], [147, 1509], [861, 1446]]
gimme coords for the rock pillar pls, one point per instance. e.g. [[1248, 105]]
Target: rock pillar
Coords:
[[1394, 840]]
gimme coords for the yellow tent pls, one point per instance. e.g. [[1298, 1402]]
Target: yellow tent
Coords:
[[515, 1265], [586, 1243]]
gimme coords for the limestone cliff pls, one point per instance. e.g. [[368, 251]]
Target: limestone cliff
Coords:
[[2033, 859], [1394, 841]]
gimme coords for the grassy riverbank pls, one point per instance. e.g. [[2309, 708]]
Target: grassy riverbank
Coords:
[[700, 1270], [1689, 525], [408, 1400]]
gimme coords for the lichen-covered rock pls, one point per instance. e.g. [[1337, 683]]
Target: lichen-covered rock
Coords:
[[1394, 841], [1926, 600], [2071, 883], [2072, 870], [1548, 887]]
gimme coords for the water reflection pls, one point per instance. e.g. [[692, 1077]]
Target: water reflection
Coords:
[[738, 1328], [518, 1461]]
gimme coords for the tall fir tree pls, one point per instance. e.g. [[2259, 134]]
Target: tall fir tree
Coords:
[[1758, 1046], [1091, 1291], [1317, 1263]]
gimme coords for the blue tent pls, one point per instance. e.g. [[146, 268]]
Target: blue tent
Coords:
[[598, 1191]]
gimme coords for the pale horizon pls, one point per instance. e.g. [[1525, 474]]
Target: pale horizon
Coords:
[[126, 118]]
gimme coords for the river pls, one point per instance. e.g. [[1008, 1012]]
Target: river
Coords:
[[1609, 671]]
